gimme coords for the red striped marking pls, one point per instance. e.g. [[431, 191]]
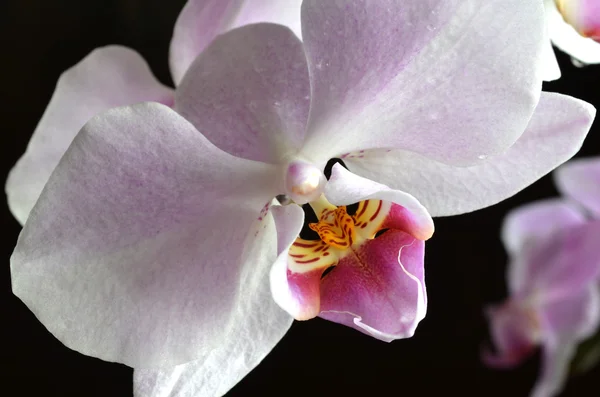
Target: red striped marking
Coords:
[[363, 209], [302, 245], [308, 261], [376, 212]]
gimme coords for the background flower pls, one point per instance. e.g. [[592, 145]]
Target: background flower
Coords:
[[554, 298], [572, 28]]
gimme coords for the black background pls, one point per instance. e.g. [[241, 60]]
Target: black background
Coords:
[[465, 261]]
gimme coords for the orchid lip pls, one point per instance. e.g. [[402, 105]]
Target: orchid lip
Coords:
[[340, 235]]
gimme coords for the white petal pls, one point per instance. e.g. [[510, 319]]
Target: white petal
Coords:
[[108, 77], [554, 134], [135, 250], [256, 326]]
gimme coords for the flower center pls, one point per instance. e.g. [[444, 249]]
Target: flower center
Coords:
[[304, 182], [336, 228], [339, 233]]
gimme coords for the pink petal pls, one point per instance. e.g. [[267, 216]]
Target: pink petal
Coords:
[[108, 77], [135, 250], [450, 80], [580, 180], [514, 327], [297, 301], [590, 14], [566, 322], [567, 38], [559, 266], [248, 93], [201, 21], [533, 224], [258, 327], [582, 15], [346, 188], [574, 317], [556, 359], [380, 289], [555, 133]]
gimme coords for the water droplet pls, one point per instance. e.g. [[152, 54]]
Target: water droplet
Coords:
[[431, 28], [482, 157], [430, 80]]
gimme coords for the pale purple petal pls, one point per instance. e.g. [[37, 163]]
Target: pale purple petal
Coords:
[[134, 251], [564, 263], [567, 39], [201, 21], [514, 327], [247, 340], [574, 317], [108, 77], [534, 222], [248, 92], [346, 188], [580, 180], [380, 289], [282, 12], [450, 79], [198, 24], [556, 359], [566, 322], [555, 133]]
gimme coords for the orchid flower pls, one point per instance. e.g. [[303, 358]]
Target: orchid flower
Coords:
[[156, 240], [553, 285], [574, 27], [115, 76]]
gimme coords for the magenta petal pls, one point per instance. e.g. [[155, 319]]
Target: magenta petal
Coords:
[[379, 289], [248, 92], [108, 77], [201, 21], [580, 180], [298, 295], [451, 80], [136, 249]]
